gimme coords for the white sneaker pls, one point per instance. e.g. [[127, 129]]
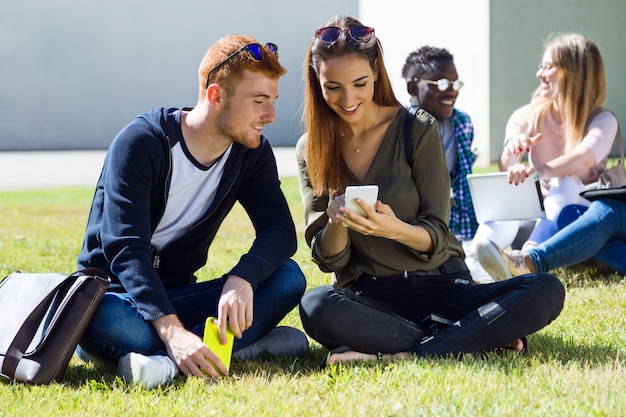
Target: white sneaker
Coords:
[[281, 341], [490, 259], [147, 371], [500, 263]]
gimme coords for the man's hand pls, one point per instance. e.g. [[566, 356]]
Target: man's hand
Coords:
[[191, 355], [235, 307]]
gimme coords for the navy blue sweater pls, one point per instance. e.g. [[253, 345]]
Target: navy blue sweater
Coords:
[[130, 199]]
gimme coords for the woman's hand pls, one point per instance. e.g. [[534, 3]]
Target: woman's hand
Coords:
[[519, 172], [334, 237], [381, 221], [515, 148], [520, 144], [334, 209]]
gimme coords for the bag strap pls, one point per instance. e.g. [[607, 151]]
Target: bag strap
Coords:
[[408, 140], [407, 127], [27, 331]]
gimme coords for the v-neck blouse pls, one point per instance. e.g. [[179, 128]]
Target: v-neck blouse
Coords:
[[418, 191]]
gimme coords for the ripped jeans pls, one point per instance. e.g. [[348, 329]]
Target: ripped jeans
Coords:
[[386, 314]]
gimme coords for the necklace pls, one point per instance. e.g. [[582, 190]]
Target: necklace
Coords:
[[357, 149]]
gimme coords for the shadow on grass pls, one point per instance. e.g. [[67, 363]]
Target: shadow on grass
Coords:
[[587, 274], [543, 349], [550, 349], [97, 376]]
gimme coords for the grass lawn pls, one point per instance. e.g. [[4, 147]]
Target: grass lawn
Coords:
[[576, 366]]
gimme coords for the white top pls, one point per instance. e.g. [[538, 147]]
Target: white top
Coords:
[[599, 138], [192, 190]]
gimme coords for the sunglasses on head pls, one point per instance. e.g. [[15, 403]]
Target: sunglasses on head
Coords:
[[331, 34], [254, 49], [443, 84]]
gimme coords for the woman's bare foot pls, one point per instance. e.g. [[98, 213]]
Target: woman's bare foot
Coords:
[[351, 355], [516, 345]]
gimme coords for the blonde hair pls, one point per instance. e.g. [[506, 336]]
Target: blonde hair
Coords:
[[326, 165], [581, 88]]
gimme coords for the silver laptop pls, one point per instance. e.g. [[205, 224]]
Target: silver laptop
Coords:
[[495, 199]]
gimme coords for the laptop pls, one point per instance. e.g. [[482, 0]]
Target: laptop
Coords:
[[495, 199]]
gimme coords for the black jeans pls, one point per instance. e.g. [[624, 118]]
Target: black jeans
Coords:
[[384, 314]]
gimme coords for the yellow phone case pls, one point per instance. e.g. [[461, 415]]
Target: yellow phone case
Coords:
[[212, 340]]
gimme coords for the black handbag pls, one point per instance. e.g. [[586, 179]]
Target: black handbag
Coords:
[[614, 193], [43, 317]]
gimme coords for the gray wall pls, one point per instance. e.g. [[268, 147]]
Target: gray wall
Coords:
[[74, 72], [518, 31]]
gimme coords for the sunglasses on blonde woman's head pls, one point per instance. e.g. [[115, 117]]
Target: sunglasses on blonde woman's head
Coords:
[[443, 84], [255, 50], [331, 34]]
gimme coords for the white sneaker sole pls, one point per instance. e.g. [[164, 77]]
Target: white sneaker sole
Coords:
[[491, 261], [142, 370]]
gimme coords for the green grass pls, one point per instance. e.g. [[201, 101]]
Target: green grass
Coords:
[[577, 365]]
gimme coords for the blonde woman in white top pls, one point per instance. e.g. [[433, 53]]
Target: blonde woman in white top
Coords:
[[563, 132]]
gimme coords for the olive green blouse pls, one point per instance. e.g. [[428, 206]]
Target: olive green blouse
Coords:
[[418, 192]]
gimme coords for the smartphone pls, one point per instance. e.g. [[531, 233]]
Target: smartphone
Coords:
[[367, 193], [212, 340]]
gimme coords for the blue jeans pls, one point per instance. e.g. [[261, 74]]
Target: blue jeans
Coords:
[[117, 328], [599, 233], [386, 314]]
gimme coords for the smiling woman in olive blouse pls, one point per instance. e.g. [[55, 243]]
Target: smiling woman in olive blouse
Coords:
[[399, 265]]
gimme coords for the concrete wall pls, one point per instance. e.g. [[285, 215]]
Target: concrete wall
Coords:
[[74, 72], [497, 46]]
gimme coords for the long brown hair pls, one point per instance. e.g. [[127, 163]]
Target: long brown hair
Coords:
[[581, 88], [325, 162]]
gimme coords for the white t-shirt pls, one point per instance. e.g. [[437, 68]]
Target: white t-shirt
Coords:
[[192, 190]]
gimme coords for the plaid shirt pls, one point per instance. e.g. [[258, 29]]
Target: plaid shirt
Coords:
[[462, 221]]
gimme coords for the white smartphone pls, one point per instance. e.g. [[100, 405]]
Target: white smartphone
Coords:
[[367, 193]]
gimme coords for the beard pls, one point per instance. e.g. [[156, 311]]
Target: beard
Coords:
[[236, 130]]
